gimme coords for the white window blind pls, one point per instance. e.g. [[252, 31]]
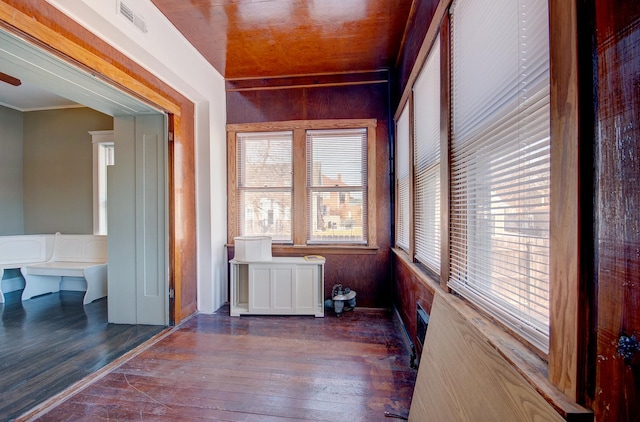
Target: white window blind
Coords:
[[500, 161], [402, 179], [426, 100], [337, 186], [264, 165]]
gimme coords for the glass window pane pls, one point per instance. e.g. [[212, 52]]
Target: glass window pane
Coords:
[[337, 216], [266, 213], [265, 159]]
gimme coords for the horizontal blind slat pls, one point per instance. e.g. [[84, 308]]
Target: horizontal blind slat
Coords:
[[499, 207]]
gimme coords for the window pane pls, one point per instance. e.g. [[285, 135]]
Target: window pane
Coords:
[[402, 180], [106, 154], [426, 99], [337, 158], [336, 216], [264, 163], [336, 186], [500, 161], [266, 213], [264, 159]]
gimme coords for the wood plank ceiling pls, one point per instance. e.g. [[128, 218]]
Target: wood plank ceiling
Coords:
[[246, 39]]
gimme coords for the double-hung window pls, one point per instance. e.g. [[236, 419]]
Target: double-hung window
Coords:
[[304, 183], [500, 167]]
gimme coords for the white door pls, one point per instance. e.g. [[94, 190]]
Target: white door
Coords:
[[152, 295], [138, 229]]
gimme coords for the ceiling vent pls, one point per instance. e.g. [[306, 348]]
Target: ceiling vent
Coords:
[[129, 14]]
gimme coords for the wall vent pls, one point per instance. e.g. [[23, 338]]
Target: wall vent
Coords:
[[129, 14], [422, 325]]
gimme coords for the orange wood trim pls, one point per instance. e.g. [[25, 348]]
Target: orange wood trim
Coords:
[[445, 153], [172, 217], [184, 242], [372, 158], [564, 350], [299, 187], [232, 188]]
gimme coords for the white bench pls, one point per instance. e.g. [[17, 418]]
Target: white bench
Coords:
[[18, 251], [73, 256]]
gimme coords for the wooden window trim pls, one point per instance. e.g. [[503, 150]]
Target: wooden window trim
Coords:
[[299, 214]]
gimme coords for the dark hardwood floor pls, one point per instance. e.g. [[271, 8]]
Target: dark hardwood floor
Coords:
[[52, 341], [257, 368]]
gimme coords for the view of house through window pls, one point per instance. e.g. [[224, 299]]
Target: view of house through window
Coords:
[[264, 184], [302, 182], [337, 182]]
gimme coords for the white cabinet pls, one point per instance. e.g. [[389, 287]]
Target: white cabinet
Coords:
[[282, 286]]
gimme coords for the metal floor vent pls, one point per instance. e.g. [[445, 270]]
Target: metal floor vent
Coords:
[[423, 324]]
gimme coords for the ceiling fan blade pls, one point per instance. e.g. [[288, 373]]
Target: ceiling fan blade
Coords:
[[10, 79]]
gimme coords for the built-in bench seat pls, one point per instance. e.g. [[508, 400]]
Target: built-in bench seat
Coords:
[[44, 259], [73, 256], [20, 250]]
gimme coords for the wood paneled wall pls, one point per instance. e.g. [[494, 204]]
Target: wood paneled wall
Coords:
[[422, 12], [366, 272], [615, 388], [410, 289]]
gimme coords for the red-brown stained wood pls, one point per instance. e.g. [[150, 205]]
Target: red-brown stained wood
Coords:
[[246, 38], [617, 201], [419, 22], [411, 290], [216, 367]]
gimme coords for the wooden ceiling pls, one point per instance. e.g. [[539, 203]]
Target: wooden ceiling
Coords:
[[277, 38]]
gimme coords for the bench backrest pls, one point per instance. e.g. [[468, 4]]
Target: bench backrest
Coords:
[[80, 248], [25, 249]]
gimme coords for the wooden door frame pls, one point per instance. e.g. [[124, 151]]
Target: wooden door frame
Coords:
[[43, 25]]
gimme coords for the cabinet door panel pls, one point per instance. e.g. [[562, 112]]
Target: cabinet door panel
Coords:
[[283, 288], [306, 280], [260, 290]]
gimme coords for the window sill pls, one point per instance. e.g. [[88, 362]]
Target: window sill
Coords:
[[299, 250], [524, 360]]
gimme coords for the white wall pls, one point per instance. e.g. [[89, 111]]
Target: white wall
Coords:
[[166, 53]]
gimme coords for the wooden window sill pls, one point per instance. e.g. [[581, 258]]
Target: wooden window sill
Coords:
[[299, 250], [524, 360]]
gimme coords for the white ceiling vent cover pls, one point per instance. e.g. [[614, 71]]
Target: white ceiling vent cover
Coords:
[[129, 14]]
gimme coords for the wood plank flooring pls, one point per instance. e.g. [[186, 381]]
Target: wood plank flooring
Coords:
[[52, 341], [257, 368]]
